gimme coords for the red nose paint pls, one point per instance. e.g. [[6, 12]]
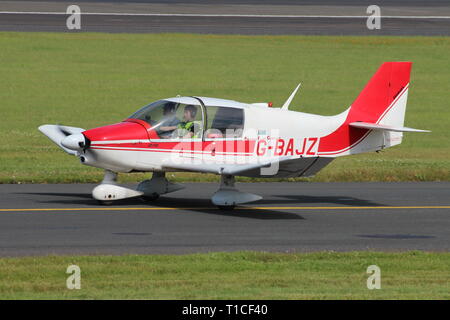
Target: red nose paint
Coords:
[[119, 131]]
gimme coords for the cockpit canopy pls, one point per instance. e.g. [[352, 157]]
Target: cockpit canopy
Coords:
[[175, 120]]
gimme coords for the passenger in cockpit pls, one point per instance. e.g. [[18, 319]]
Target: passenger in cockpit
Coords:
[[169, 122]]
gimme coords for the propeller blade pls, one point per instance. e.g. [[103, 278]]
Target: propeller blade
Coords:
[[57, 133]]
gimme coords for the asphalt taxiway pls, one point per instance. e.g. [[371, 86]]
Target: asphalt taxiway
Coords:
[[292, 217], [246, 17]]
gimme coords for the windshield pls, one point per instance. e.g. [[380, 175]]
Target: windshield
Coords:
[[152, 112], [171, 120]]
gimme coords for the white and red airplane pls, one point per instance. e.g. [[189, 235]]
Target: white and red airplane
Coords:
[[231, 138]]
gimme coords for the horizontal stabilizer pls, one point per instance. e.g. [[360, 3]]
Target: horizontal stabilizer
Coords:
[[375, 126]]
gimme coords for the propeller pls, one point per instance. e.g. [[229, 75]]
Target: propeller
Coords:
[[70, 139], [61, 129]]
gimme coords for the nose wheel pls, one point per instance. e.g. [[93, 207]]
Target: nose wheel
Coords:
[[109, 191], [148, 190], [105, 203]]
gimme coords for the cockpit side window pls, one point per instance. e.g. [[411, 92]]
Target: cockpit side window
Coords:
[[224, 122]]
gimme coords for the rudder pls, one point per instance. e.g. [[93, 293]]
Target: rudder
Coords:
[[382, 93], [382, 101]]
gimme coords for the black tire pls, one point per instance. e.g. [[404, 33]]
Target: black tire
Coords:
[[105, 203], [226, 208], [150, 198]]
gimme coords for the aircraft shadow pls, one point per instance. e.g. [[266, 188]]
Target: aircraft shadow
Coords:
[[336, 200], [194, 205], [205, 206], [59, 194]]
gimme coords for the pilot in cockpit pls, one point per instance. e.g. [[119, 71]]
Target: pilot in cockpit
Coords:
[[169, 122], [188, 128]]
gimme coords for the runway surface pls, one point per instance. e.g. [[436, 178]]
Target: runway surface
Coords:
[[247, 17], [292, 217]]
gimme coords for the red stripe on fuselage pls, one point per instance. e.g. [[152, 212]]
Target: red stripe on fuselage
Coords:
[[243, 147]]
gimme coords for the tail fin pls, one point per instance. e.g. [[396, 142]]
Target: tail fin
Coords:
[[383, 100], [375, 119]]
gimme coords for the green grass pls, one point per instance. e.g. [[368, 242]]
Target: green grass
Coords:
[[91, 79], [240, 275]]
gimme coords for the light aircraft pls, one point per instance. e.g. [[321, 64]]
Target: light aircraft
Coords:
[[230, 138]]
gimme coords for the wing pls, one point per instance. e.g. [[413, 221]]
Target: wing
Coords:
[[196, 165]]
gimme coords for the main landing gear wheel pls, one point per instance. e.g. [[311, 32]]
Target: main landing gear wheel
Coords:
[[226, 208], [227, 197], [150, 198], [156, 186]]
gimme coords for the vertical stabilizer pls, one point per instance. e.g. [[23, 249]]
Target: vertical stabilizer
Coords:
[[382, 101]]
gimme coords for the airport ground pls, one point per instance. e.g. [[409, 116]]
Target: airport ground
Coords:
[[220, 275], [302, 241], [307, 240], [89, 80]]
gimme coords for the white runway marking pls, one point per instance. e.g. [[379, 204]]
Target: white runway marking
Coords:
[[222, 15]]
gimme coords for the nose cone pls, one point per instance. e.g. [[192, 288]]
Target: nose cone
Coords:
[[74, 141]]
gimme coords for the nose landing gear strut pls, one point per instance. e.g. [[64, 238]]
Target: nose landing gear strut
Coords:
[[109, 191]]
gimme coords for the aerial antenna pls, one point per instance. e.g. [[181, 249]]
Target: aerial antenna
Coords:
[[291, 97]]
